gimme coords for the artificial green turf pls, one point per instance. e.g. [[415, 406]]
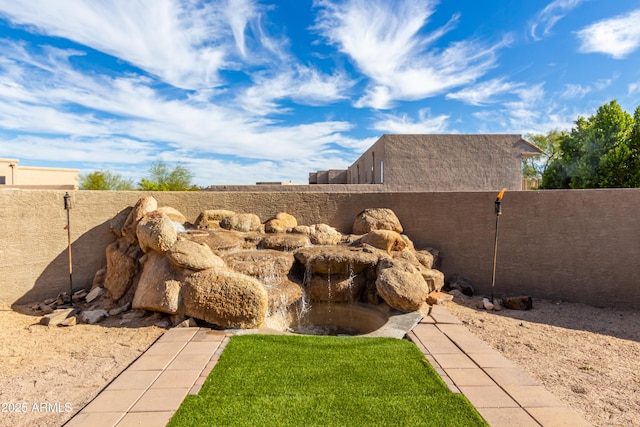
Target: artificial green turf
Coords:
[[270, 380]]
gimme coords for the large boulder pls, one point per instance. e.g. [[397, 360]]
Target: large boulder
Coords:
[[433, 278], [211, 218], [376, 219], [280, 223], [272, 268], [386, 240], [122, 266], [159, 286], [217, 240], [194, 256], [336, 287], [155, 231], [401, 285], [173, 214], [243, 222], [225, 298], [116, 224], [425, 258], [323, 234], [335, 259], [145, 205], [284, 242]]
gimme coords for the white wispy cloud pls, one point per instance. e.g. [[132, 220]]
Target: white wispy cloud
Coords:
[[386, 42], [44, 95], [618, 36], [183, 43], [572, 91], [484, 93], [634, 88], [548, 17], [390, 123]]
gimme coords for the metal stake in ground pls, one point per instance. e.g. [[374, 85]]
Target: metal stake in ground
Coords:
[[67, 207], [498, 206]]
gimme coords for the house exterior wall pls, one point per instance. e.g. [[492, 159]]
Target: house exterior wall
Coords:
[[37, 177], [560, 244], [442, 162]]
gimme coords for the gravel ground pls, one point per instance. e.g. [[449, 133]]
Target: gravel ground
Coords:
[[588, 357]]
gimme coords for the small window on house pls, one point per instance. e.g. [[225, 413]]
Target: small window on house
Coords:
[[3, 180], [381, 171]]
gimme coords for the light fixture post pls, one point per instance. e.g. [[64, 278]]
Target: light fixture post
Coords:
[[498, 210], [67, 207]]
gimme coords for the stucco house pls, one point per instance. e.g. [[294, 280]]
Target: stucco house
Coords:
[[12, 175], [453, 162]]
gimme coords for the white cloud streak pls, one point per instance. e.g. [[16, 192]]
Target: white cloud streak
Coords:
[[548, 17], [390, 123], [385, 42], [617, 37], [484, 93]]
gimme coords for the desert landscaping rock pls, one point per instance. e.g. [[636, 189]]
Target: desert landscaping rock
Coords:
[[159, 286], [241, 222], [56, 316], [219, 240], [433, 278], [193, 256], [336, 288], [280, 223], [93, 316], [173, 214], [225, 298], [95, 293], [335, 259], [401, 285], [387, 240], [122, 266], [284, 242], [144, 206], [210, 219], [323, 234], [520, 302], [155, 231], [376, 219], [425, 258]]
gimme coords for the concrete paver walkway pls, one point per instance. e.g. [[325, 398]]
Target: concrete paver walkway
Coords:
[[501, 392], [149, 391]]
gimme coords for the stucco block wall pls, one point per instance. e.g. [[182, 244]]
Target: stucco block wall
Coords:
[[577, 245]]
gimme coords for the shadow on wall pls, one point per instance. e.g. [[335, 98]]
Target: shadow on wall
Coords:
[[88, 253]]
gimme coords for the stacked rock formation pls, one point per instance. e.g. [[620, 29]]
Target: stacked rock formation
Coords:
[[233, 271]]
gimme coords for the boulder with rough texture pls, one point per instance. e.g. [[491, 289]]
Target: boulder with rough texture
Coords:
[[261, 264], [319, 234], [272, 268], [93, 316], [217, 240], [425, 258], [280, 223], [225, 298], [458, 282], [336, 287], [386, 240], [211, 218], [158, 288], [122, 266], [117, 222], [335, 259], [145, 205], [520, 302], [437, 298], [173, 214], [401, 285], [194, 256], [376, 219], [284, 242], [243, 222], [433, 278], [155, 231]]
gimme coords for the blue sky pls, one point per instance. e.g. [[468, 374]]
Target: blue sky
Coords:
[[242, 91]]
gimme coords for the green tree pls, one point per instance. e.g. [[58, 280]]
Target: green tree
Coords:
[[105, 180], [535, 167], [600, 151], [164, 179]]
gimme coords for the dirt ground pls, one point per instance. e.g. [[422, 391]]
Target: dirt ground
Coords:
[[49, 373], [588, 357]]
